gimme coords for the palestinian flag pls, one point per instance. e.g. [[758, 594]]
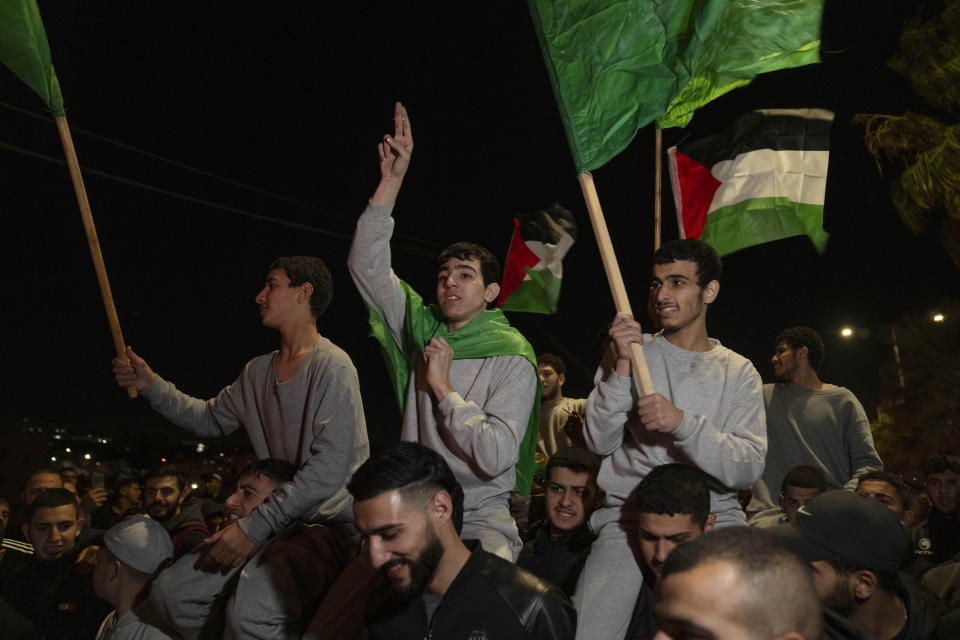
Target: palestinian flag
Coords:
[[532, 273], [760, 180]]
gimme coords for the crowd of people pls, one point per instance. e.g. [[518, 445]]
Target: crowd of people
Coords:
[[504, 509]]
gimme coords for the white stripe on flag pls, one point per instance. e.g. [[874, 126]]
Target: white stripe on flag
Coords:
[[800, 176]]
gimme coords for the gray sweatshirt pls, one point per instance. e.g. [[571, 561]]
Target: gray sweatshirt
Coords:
[[314, 420], [723, 431], [824, 428], [479, 427]]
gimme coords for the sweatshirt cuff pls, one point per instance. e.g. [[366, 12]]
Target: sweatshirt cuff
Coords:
[[255, 527], [157, 389], [686, 428]]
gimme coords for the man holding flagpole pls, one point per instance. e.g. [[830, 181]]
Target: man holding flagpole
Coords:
[[465, 379], [707, 413]]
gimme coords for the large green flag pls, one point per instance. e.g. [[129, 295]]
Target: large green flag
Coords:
[[24, 49], [617, 66]]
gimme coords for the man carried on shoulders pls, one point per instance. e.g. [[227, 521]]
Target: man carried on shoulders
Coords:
[[466, 379]]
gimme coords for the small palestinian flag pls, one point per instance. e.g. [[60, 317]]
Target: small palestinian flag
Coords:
[[760, 180], [532, 273]]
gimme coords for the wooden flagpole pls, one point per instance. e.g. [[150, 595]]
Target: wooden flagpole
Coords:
[[620, 300], [87, 216]]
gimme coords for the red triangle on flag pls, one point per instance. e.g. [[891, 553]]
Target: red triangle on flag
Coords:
[[697, 186], [519, 258]]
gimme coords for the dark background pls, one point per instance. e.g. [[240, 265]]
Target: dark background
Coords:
[[291, 99]]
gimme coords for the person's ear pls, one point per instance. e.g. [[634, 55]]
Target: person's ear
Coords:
[[491, 292], [864, 584], [780, 501], [306, 292], [561, 379], [803, 353], [711, 523], [440, 508], [710, 291], [26, 533], [909, 518]]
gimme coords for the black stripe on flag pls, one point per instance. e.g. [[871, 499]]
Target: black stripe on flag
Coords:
[[781, 130]]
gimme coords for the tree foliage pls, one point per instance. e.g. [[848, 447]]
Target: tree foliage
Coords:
[[921, 418], [927, 192]]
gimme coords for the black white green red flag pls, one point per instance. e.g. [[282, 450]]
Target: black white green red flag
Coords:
[[761, 179], [533, 270]]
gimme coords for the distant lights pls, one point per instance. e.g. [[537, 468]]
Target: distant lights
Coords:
[[67, 450], [86, 456], [194, 486], [938, 317], [53, 458], [163, 459], [846, 332]]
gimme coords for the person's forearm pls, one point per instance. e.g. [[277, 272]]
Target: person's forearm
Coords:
[[387, 190]]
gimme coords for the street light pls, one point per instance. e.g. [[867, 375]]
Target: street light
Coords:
[[938, 317], [846, 332]]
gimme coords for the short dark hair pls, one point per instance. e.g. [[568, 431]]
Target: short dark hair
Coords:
[[489, 265], [46, 471], [675, 489], [939, 464], [576, 459], [776, 590], [892, 479], [797, 337], [709, 265], [51, 499], [301, 269], [552, 361], [416, 471], [804, 477], [167, 472], [280, 471]]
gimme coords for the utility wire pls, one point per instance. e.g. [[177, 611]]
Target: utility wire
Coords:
[[208, 203], [434, 248]]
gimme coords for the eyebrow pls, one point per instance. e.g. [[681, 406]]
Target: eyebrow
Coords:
[[460, 267], [381, 529]]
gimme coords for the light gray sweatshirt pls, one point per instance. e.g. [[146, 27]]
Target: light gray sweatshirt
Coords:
[[479, 427], [723, 431], [823, 428], [314, 420]]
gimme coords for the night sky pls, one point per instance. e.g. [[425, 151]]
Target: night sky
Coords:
[[286, 101]]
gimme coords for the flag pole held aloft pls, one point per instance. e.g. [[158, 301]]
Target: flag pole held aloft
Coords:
[[615, 279], [25, 51]]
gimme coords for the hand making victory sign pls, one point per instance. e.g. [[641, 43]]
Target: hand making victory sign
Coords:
[[394, 155]]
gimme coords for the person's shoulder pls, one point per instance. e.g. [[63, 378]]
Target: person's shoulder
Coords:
[[326, 354], [516, 585]]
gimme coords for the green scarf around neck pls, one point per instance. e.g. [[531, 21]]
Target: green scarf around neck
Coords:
[[486, 336]]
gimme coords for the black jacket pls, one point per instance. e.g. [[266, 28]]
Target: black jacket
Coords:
[[490, 598], [558, 560], [923, 610], [56, 598]]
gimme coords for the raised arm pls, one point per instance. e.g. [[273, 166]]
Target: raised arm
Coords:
[[369, 261]]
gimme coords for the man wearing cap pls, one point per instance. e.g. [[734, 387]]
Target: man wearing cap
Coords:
[[133, 552], [854, 546]]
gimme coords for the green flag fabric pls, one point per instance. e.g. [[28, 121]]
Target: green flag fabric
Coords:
[[24, 50], [486, 336], [617, 66]]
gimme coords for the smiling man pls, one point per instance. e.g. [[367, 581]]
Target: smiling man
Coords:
[[560, 548], [465, 379], [810, 422], [408, 505], [49, 589], [707, 412]]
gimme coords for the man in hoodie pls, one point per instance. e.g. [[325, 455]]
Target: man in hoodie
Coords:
[[163, 496]]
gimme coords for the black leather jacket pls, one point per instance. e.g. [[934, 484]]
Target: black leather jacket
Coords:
[[490, 599]]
